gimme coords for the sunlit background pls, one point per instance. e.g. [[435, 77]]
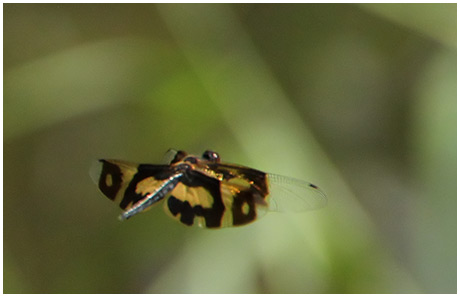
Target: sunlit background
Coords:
[[358, 99]]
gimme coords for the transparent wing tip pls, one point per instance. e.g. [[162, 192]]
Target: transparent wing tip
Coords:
[[95, 170], [293, 195], [169, 156], [323, 201]]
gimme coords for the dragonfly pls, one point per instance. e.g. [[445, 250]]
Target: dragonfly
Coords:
[[203, 191]]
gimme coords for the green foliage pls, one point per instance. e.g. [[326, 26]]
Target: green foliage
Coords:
[[358, 99]]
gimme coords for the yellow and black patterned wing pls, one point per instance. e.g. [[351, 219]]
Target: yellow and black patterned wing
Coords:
[[250, 193], [217, 201], [196, 200], [211, 195], [243, 192], [128, 183]]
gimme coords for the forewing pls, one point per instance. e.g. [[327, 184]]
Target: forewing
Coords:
[[244, 192], [245, 202], [279, 193], [292, 195]]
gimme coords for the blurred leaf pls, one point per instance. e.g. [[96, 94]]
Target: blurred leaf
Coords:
[[436, 20], [329, 93], [74, 82], [434, 144]]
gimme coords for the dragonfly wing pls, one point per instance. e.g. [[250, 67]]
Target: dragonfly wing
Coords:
[[293, 195], [126, 183]]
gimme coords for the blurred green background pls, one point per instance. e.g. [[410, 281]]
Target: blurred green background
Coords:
[[358, 99]]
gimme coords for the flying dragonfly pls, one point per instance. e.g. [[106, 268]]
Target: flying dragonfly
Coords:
[[202, 191]]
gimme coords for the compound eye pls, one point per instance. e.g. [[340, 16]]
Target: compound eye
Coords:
[[211, 156]]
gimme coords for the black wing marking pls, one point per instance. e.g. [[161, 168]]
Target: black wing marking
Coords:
[[128, 183], [196, 200]]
